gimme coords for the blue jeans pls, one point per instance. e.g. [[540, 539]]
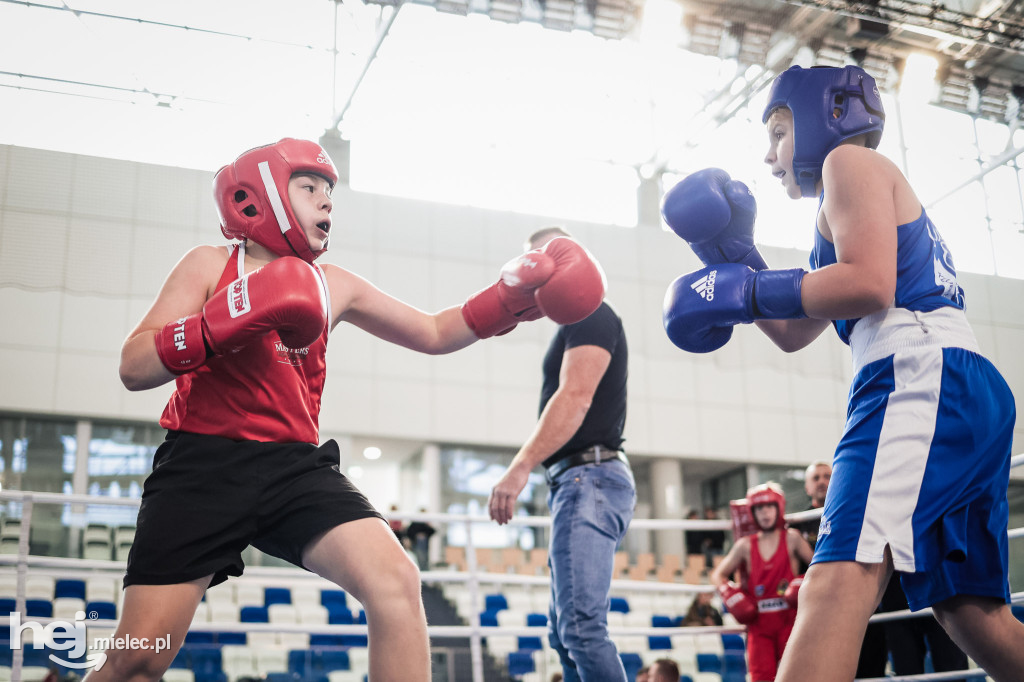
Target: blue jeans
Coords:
[[591, 507]]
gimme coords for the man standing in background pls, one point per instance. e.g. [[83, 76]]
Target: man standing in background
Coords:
[[578, 439]]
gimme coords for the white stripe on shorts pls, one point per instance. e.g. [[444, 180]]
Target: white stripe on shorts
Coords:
[[903, 445]]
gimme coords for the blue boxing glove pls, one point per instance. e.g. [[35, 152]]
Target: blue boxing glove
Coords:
[[702, 307], [715, 215]]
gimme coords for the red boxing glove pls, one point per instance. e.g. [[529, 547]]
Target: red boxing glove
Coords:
[[737, 603], [285, 295], [561, 280], [793, 591]]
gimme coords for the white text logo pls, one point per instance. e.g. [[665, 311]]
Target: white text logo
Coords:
[[705, 286], [238, 298], [61, 635]]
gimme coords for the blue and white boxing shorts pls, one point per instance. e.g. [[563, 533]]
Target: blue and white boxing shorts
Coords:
[[924, 462]]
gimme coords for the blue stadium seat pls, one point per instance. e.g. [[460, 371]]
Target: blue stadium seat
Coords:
[[183, 659], [7, 606], [317, 641], [333, 598], [734, 662], [205, 662], [233, 638], [657, 642], [276, 595], [1018, 611], [34, 657], [619, 604], [660, 621], [530, 644], [39, 608], [199, 638], [632, 663], [253, 614], [103, 610], [495, 602], [685, 678], [69, 588], [303, 662], [732, 642], [520, 663], [335, 659], [709, 663], [536, 619], [489, 618], [339, 615]]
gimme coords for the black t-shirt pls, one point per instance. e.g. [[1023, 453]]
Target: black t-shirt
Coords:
[[606, 417]]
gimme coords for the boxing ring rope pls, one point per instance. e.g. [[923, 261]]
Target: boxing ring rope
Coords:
[[472, 577]]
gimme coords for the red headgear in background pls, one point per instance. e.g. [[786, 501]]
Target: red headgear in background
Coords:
[[769, 493], [252, 195]]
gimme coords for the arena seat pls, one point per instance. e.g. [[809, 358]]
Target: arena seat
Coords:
[[709, 663], [632, 663], [101, 610], [39, 587], [733, 642], [238, 661], [69, 588], [333, 598], [248, 594], [495, 602], [101, 589], [39, 608], [520, 663], [276, 595], [253, 614]]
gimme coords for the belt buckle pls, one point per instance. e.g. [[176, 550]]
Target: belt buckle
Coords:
[[597, 454]]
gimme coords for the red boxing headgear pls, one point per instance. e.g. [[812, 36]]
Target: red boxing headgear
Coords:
[[252, 195], [769, 493]]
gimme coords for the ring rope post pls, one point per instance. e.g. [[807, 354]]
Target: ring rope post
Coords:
[[18, 658], [473, 583]]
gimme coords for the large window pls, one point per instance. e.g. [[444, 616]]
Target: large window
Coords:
[[466, 484]]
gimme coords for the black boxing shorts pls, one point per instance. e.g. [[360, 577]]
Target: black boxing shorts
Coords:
[[208, 498]]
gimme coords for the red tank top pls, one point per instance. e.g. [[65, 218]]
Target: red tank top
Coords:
[[768, 579], [265, 391]]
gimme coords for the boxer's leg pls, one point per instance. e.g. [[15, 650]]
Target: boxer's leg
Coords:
[[150, 612], [364, 558], [831, 620], [986, 630]]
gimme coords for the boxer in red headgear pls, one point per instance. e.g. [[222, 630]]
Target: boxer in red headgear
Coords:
[[250, 196], [242, 331], [767, 561]]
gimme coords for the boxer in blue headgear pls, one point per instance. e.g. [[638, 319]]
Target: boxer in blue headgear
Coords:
[[920, 474], [829, 106]]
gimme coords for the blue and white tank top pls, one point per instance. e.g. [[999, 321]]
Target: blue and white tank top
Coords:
[[925, 276]]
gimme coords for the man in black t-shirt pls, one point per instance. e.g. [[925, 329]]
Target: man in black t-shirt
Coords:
[[578, 439]]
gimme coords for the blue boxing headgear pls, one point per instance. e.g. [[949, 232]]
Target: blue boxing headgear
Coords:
[[829, 104]]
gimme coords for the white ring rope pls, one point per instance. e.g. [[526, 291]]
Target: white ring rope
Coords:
[[475, 579]]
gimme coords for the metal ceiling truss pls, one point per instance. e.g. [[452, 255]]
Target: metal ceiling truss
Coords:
[[613, 19], [1000, 32]]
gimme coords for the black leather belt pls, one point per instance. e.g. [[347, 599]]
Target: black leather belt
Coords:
[[595, 454]]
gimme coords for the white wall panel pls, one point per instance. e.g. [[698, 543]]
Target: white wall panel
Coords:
[[115, 229]]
